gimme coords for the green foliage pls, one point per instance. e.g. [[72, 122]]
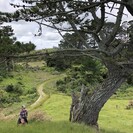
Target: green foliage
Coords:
[[22, 83], [87, 72], [72, 41], [130, 80], [57, 61], [9, 88], [3, 97], [130, 105], [9, 46], [16, 89], [32, 90], [124, 92], [6, 40]]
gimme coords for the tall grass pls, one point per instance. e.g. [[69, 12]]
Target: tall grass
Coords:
[[45, 127], [113, 118]]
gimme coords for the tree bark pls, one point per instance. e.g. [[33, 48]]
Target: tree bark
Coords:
[[85, 108]]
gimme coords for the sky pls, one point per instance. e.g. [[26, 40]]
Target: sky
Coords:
[[25, 31]]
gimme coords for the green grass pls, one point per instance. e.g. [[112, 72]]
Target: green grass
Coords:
[[57, 106], [45, 127], [114, 118], [28, 78], [111, 119], [37, 64]]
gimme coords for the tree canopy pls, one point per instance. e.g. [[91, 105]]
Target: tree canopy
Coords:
[[81, 17]]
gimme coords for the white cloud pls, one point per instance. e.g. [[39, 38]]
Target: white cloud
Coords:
[[25, 32], [5, 5]]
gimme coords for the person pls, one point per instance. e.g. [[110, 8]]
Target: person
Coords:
[[23, 116]]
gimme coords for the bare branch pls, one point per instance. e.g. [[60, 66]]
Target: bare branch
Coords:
[[116, 27]]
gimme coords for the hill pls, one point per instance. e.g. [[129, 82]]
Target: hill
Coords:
[[51, 113]]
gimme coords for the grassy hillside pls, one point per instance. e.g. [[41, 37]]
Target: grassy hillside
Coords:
[[113, 118], [29, 80]]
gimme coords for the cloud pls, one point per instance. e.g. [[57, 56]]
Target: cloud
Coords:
[[5, 6], [25, 31]]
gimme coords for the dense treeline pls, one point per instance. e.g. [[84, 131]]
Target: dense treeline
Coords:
[[10, 46]]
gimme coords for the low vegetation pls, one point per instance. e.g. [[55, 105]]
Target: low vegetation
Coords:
[[53, 114]]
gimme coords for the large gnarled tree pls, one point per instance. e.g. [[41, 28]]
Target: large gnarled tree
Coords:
[[109, 40]]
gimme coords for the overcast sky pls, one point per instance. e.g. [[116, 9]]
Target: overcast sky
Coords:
[[25, 32]]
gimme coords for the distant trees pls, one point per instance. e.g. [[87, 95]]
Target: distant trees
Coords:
[[83, 71], [9, 46], [60, 62], [6, 40], [71, 40], [20, 47]]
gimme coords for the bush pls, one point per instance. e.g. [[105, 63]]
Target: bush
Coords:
[[39, 116], [32, 90], [17, 89], [130, 105], [9, 88]]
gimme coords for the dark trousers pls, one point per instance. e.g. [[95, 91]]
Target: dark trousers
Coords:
[[19, 120]]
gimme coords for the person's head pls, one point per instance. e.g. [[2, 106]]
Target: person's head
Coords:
[[23, 106]]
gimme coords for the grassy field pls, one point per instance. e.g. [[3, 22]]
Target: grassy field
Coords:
[[113, 118], [45, 127]]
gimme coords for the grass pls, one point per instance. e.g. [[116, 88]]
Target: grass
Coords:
[[29, 80], [57, 106], [113, 118], [45, 127]]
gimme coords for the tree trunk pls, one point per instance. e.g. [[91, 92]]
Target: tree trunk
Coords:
[[85, 108]]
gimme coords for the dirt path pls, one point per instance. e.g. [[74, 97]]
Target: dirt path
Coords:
[[42, 96], [41, 99]]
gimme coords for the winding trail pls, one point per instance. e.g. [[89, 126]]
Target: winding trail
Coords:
[[41, 99], [42, 95]]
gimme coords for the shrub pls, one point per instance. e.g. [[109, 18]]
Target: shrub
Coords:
[[17, 89], [9, 88], [130, 105], [39, 116], [32, 90]]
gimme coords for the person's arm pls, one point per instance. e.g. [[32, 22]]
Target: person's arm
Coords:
[[20, 114]]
